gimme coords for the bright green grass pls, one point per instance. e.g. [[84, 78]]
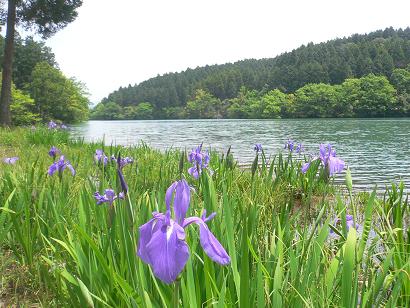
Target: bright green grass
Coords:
[[60, 249]]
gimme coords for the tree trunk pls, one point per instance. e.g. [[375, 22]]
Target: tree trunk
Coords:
[[5, 97]]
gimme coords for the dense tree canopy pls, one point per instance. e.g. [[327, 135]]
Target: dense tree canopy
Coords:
[[56, 96], [35, 72], [23, 108], [368, 96], [28, 52], [44, 17], [329, 63]]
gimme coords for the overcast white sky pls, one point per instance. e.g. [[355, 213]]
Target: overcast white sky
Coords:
[[121, 42]]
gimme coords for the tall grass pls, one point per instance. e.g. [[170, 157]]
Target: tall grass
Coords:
[[274, 222]]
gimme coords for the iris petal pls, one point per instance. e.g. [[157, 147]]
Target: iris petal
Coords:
[[305, 167], [146, 231], [209, 243], [181, 200], [167, 252], [168, 195], [71, 168], [335, 165], [194, 172], [52, 169]]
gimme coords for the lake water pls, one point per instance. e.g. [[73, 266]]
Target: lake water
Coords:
[[376, 150]]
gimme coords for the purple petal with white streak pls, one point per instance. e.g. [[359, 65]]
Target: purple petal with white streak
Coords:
[[167, 252]]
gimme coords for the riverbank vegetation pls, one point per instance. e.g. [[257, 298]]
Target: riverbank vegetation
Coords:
[[71, 227], [321, 75]]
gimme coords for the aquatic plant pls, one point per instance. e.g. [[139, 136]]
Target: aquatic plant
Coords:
[[109, 196], [299, 148], [289, 145], [53, 152], [292, 145], [100, 157], [59, 166], [61, 249], [10, 160], [52, 125], [124, 161], [162, 242], [257, 147], [349, 223], [200, 161], [328, 158]]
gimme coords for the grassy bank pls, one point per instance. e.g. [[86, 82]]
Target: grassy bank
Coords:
[[59, 248]]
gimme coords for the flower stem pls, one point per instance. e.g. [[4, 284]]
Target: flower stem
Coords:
[[175, 299]]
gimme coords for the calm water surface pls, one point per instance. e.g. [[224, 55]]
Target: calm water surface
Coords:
[[377, 150]]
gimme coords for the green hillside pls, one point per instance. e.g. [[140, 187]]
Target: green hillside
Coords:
[[230, 90]]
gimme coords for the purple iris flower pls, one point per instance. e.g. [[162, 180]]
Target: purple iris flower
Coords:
[[109, 196], [349, 223], [199, 159], [257, 148], [289, 145], [52, 125], [59, 166], [162, 239], [53, 152], [125, 161], [63, 126], [327, 156], [300, 148], [10, 160], [305, 167], [100, 157]]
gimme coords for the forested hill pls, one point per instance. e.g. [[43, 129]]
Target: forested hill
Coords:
[[331, 62]]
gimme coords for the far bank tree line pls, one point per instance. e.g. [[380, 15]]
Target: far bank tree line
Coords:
[[368, 96], [330, 62]]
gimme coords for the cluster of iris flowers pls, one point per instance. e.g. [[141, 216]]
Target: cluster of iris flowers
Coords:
[[327, 156], [109, 194], [162, 242], [60, 165], [53, 125], [108, 197], [294, 146], [199, 160], [101, 158], [10, 160]]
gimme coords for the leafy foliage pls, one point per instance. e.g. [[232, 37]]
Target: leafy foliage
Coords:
[[22, 109], [46, 18], [35, 60], [28, 53], [56, 96]]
